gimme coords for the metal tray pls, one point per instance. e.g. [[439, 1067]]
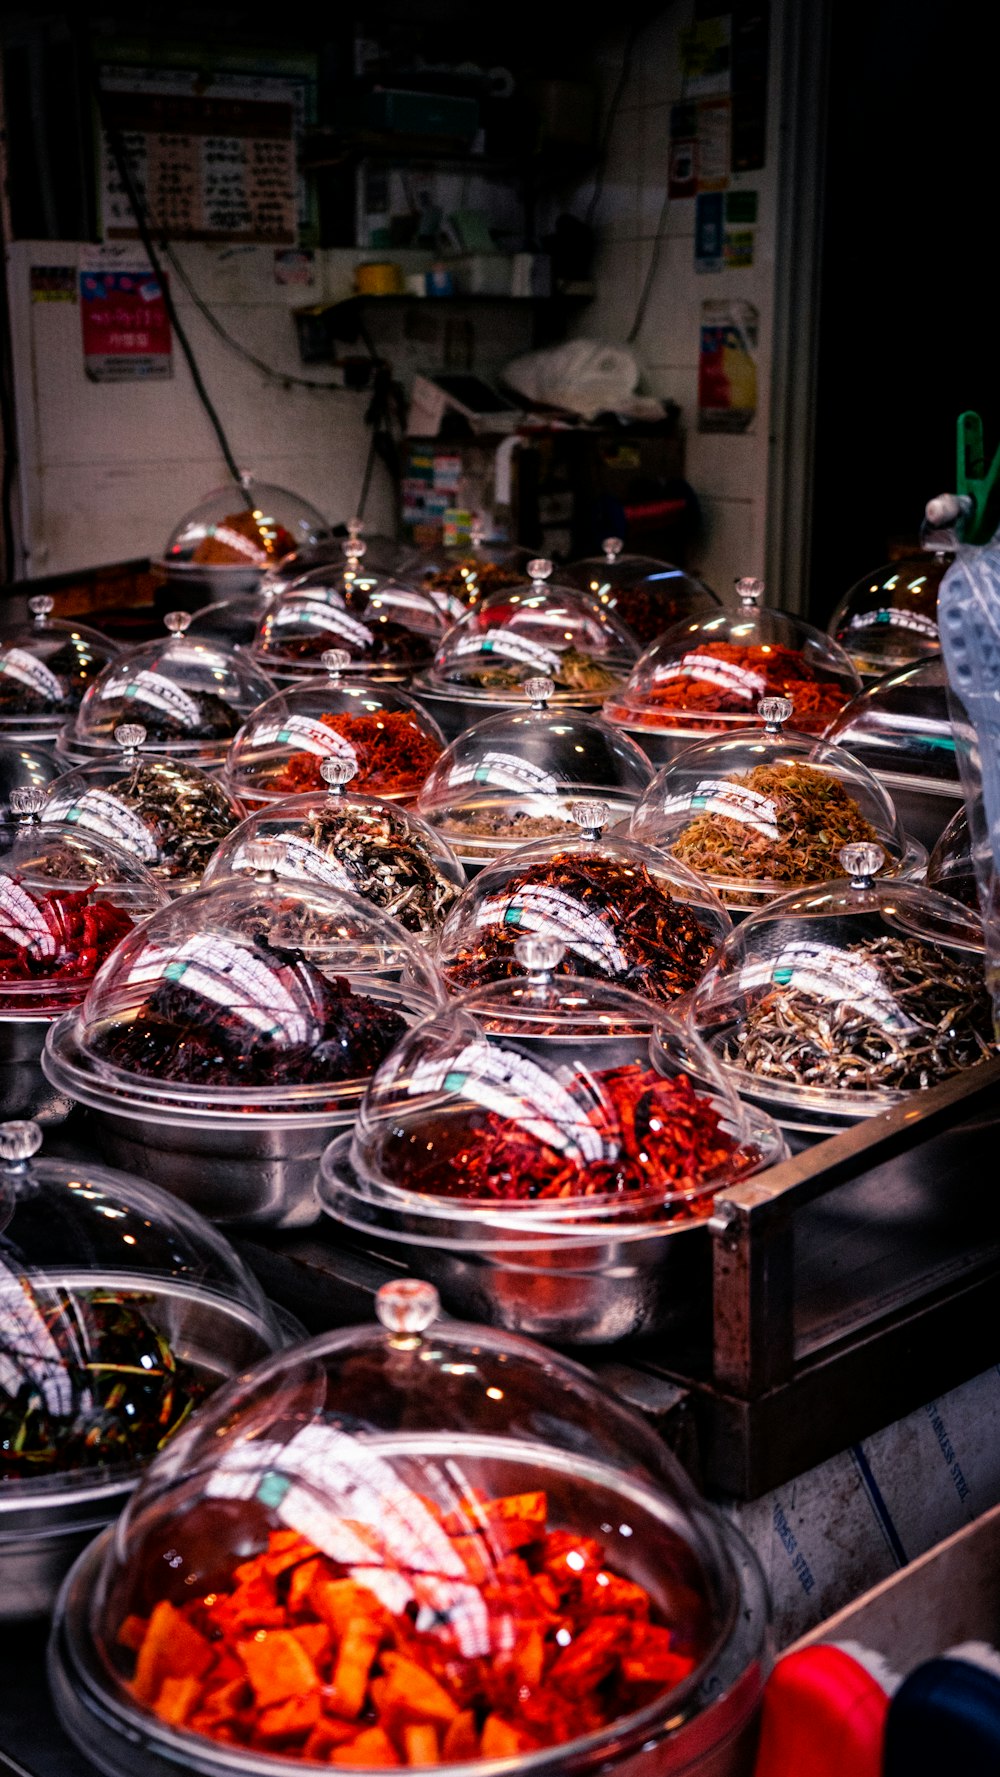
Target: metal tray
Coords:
[[846, 1286]]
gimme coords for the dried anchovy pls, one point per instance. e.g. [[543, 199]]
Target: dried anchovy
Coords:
[[575, 672], [814, 814], [320, 1030], [639, 935], [188, 816], [127, 1390], [505, 824], [802, 1039], [385, 861]]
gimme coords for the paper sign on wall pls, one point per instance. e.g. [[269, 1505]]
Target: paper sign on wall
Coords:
[[126, 328], [727, 367]]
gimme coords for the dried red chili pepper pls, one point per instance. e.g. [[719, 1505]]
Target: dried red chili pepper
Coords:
[[660, 1138], [763, 669], [393, 755], [299, 1659], [58, 937]]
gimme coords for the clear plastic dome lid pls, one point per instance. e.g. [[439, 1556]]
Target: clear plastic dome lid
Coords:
[[457, 579], [834, 1003], [190, 697], [24, 767], [551, 1097], [261, 994], [167, 813], [382, 734], [623, 912], [646, 594], [950, 868], [67, 898], [45, 668], [376, 849], [120, 1311], [511, 778], [233, 622], [710, 673], [765, 810], [386, 628], [888, 618], [412, 1544], [901, 724], [249, 524], [530, 631]]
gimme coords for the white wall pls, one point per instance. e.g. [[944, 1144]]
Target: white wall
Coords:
[[729, 473], [107, 470]]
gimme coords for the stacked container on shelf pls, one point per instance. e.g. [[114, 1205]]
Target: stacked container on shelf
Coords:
[[231, 1034], [550, 1144], [46, 666], [767, 809], [647, 595]]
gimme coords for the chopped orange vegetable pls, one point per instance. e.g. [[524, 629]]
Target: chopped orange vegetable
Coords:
[[420, 1743], [354, 1662], [415, 1693], [461, 1740], [277, 1666], [510, 1637], [289, 1720], [372, 1748], [171, 1648], [501, 1739], [177, 1699]]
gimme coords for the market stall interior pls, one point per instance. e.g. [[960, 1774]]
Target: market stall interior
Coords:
[[499, 890]]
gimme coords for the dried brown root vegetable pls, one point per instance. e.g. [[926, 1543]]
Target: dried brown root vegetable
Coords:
[[937, 1021], [814, 816]]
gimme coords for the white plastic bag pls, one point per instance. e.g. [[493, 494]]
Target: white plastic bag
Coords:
[[582, 375]]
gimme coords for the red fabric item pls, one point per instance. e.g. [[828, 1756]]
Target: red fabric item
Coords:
[[824, 1716]]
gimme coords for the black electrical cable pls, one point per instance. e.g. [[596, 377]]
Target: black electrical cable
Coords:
[[609, 122], [286, 377], [142, 224], [650, 278]]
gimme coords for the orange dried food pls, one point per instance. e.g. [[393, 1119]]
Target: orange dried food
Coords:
[[488, 1650]]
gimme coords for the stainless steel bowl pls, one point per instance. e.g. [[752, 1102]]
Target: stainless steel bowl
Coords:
[[24, 1090], [705, 1727], [573, 1287], [250, 1172], [44, 1525]]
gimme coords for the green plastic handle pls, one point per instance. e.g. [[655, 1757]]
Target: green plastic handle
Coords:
[[978, 483]]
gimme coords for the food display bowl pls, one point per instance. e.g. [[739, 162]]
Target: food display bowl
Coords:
[[226, 544], [589, 1285], [405, 1437], [114, 1310], [45, 668], [234, 1032], [901, 728]]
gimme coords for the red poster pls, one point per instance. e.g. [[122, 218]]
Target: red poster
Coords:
[[126, 328]]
